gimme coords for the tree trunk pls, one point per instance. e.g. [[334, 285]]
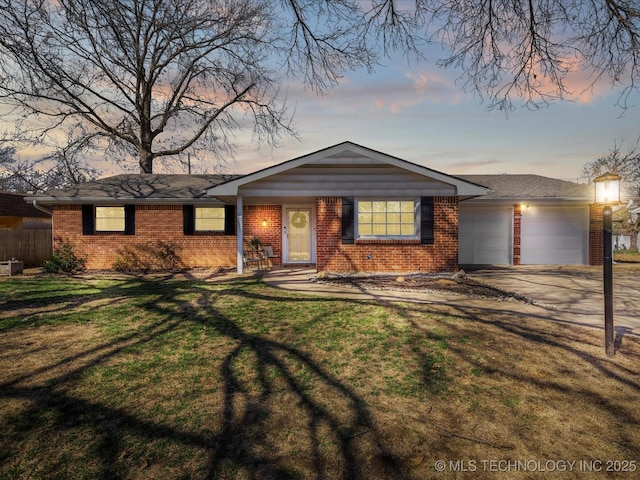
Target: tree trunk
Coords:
[[146, 160]]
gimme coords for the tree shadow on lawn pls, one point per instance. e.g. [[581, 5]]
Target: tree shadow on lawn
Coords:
[[268, 387], [335, 440], [570, 374]]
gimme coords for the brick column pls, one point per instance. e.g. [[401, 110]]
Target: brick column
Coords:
[[595, 235], [517, 233]]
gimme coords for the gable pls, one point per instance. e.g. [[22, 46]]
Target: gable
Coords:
[[346, 169]]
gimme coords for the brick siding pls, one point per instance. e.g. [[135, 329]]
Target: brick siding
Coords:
[[153, 222], [165, 222], [386, 255], [596, 242], [270, 234], [517, 233]]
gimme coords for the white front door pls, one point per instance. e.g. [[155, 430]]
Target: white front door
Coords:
[[298, 235]]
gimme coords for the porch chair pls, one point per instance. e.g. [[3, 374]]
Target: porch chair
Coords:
[[252, 257], [267, 253]]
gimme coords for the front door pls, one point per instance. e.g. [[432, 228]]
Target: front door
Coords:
[[298, 245]]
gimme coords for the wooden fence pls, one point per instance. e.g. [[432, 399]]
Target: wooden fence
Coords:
[[29, 246]]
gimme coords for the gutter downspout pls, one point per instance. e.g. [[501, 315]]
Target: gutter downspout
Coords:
[[42, 209]]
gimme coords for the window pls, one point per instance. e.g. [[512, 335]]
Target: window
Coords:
[[213, 220], [209, 219], [101, 219], [387, 218], [110, 219]]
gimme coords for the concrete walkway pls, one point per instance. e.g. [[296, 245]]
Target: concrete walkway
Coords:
[[565, 294]]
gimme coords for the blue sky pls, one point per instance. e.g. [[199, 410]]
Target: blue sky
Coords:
[[419, 113]]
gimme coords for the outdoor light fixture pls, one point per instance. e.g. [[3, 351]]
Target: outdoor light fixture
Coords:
[[264, 222], [608, 189], [607, 194]]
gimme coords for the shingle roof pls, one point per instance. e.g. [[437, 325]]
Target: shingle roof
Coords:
[[136, 188], [530, 186], [14, 205]]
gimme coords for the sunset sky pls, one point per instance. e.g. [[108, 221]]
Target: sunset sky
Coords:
[[420, 114]]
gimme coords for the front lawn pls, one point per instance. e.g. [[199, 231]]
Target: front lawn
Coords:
[[626, 256], [125, 377]]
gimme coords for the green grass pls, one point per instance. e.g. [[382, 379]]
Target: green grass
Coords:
[[135, 377], [627, 256]]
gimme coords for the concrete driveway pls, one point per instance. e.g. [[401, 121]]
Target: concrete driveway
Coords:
[[566, 294], [574, 294]]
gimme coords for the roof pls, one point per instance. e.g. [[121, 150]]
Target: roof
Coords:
[[14, 205], [183, 188], [348, 153], [523, 187], [136, 188]]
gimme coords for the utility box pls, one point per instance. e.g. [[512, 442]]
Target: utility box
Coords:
[[11, 267]]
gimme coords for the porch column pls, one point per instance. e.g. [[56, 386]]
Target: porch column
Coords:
[[239, 233]]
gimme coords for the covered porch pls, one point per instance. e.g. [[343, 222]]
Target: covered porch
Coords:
[[285, 229]]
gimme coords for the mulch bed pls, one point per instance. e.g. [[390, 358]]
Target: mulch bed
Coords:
[[446, 284]]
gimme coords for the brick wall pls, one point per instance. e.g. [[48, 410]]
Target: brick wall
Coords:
[[596, 253], [386, 255], [153, 222], [264, 222], [164, 222], [517, 233]]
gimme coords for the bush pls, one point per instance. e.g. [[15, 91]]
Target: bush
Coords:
[[152, 256], [64, 260]]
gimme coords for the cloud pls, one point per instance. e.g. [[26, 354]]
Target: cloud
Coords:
[[391, 91], [435, 88]]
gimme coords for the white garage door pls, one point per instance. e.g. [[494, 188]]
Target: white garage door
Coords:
[[555, 236], [484, 235]]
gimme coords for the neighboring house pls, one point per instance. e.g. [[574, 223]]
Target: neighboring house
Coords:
[[344, 208], [25, 231], [16, 214]]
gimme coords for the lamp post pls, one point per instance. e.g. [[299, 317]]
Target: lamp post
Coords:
[[607, 194]]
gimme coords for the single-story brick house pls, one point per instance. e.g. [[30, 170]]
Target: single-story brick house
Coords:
[[343, 208]]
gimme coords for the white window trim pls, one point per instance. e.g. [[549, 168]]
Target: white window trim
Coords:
[[416, 219]]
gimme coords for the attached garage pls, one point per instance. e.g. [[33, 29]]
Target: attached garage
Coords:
[[555, 235], [525, 220], [485, 235]]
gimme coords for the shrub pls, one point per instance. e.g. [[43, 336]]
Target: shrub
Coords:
[[152, 256], [64, 260]]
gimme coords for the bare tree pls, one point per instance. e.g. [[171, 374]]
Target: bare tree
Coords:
[[67, 165], [620, 161], [156, 78], [6, 153], [152, 76], [527, 50]]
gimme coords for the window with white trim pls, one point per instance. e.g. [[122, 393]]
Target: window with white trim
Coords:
[[387, 218], [209, 219], [110, 219]]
